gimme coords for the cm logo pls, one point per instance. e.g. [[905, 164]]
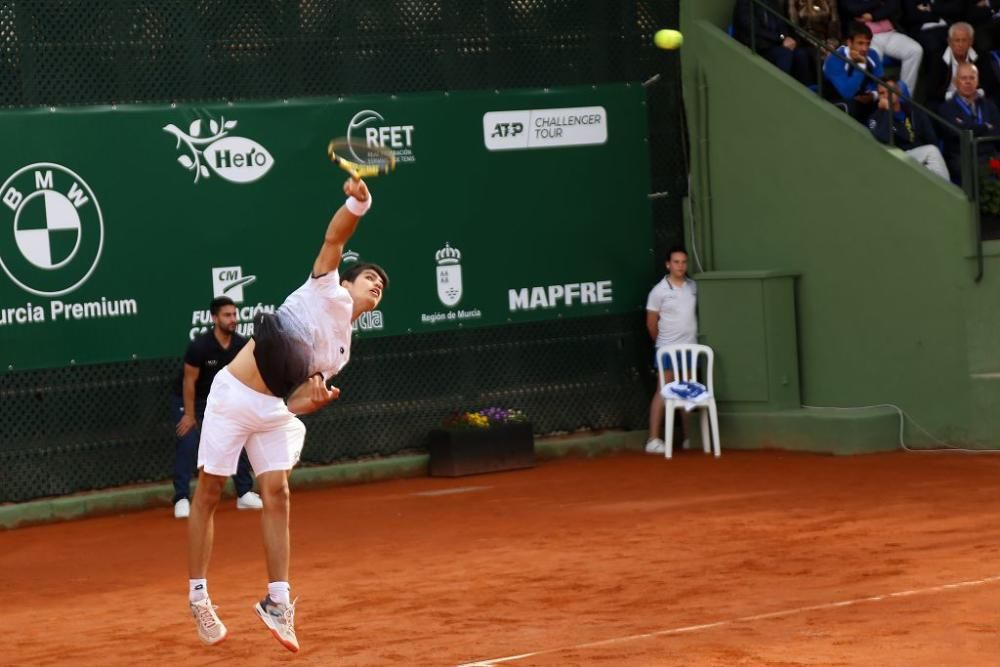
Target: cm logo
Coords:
[[51, 229], [230, 281]]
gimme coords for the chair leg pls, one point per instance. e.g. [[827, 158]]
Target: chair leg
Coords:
[[714, 416], [706, 434], [668, 430]]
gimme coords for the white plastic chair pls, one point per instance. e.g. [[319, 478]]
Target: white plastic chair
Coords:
[[684, 361]]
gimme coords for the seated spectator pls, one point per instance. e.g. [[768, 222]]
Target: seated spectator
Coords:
[[845, 70], [984, 15], [911, 129], [772, 37], [927, 22], [941, 71], [819, 18], [879, 15], [969, 110]]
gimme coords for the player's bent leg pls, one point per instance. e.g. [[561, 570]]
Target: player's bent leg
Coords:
[[273, 453], [201, 533], [278, 616], [274, 522]]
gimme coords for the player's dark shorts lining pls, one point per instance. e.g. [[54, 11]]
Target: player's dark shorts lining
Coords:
[[283, 363]]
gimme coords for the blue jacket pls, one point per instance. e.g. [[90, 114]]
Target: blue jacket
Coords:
[[847, 78]]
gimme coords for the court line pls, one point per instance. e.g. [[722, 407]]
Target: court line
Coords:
[[448, 492], [491, 662]]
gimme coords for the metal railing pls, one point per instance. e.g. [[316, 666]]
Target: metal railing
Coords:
[[968, 144]]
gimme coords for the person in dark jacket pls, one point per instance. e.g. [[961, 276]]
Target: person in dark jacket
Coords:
[[772, 37], [910, 128], [969, 110]]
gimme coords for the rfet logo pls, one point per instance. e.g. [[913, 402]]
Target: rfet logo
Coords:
[[51, 229], [230, 281], [370, 127]]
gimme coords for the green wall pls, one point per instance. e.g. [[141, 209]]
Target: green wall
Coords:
[[888, 310]]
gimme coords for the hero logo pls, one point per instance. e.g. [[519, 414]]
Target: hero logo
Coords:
[[230, 281], [367, 126], [236, 159], [52, 230]]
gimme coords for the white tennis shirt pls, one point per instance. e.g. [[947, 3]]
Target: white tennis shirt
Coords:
[[318, 314], [677, 307]]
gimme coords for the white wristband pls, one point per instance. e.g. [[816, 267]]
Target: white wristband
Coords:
[[358, 208]]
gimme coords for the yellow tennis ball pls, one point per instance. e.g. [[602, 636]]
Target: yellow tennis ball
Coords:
[[668, 39]]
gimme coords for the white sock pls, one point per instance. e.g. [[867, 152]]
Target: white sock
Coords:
[[279, 591], [197, 589]]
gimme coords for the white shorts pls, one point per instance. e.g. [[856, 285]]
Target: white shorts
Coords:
[[236, 416]]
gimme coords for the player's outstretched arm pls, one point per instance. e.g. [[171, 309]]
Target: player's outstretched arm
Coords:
[[342, 226], [311, 395]]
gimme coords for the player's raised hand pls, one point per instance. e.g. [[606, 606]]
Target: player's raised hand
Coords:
[[320, 394], [356, 188]]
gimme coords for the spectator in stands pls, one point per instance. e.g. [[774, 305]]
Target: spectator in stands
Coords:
[[911, 129], [941, 71], [879, 15], [772, 37], [984, 15], [927, 22], [845, 70], [819, 18], [969, 110]]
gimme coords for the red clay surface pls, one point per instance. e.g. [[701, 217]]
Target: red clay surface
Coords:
[[693, 561]]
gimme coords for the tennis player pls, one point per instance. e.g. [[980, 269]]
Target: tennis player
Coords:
[[282, 372]]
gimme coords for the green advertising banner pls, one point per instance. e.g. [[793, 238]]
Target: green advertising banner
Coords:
[[118, 225]]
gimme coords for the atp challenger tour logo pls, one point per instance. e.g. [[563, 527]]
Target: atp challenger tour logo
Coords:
[[544, 128], [370, 128], [236, 159], [449, 287]]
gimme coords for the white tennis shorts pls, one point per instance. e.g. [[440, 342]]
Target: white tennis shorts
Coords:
[[236, 416]]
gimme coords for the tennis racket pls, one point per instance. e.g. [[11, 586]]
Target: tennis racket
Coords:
[[361, 160]]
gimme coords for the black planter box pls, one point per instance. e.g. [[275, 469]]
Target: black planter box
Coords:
[[471, 451]]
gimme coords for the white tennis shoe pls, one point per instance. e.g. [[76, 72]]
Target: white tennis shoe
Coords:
[[656, 446], [280, 620], [182, 508], [211, 631], [249, 501]]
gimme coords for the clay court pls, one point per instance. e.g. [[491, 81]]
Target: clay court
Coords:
[[759, 558]]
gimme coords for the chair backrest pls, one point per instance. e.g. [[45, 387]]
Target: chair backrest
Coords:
[[686, 363]]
